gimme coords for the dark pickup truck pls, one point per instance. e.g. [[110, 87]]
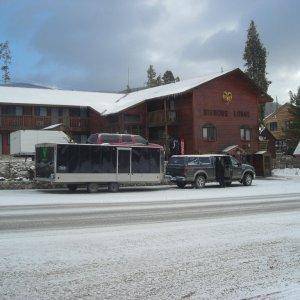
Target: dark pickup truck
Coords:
[[199, 169]]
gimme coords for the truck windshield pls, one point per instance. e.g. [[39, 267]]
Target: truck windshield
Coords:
[[177, 160], [44, 162]]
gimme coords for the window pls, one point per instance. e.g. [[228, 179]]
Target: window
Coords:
[[110, 138], [273, 126], [209, 132], [126, 138], [234, 162], [74, 112], [145, 160], [287, 124], [86, 159], [132, 118], [40, 111], [245, 133]]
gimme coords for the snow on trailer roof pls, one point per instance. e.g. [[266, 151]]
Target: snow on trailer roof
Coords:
[[34, 96]]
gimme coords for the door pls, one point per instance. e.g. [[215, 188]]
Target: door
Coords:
[[124, 165], [236, 168], [54, 116], [228, 174]]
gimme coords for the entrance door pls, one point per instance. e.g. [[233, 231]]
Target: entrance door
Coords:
[[124, 165], [54, 116]]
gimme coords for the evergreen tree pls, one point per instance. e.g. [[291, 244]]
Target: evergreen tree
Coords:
[[151, 75], [293, 132], [159, 80], [255, 55], [177, 79], [5, 57], [168, 77]]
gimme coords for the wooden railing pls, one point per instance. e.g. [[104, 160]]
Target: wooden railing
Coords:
[[35, 122], [158, 117]]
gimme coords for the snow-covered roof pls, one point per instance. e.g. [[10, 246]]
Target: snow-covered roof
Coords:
[[52, 126], [297, 150], [98, 101], [104, 103], [229, 148], [137, 97]]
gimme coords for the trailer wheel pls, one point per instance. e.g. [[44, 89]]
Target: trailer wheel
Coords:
[[92, 187], [113, 187], [72, 187]]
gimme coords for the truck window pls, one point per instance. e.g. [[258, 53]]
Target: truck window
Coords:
[[177, 160]]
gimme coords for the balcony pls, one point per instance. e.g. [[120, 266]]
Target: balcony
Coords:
[[12, 123], [158, 118]]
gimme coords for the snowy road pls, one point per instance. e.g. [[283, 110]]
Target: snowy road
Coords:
[[155, 243], [63, 216]]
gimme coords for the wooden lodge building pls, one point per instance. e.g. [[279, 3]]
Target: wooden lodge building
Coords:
[[200, 115]]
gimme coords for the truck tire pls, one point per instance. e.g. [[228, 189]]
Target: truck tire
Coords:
[[180, 184], [247, 179], [199, 182], [92, 187], [72, 187], [113, 187]]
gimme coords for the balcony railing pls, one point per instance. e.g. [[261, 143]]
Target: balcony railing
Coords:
[[158, 117], [35, 122]]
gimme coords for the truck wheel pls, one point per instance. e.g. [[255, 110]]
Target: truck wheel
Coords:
[[247, 179], [92, 187], [181, 185], [72, 187], [199, 182], [113, 187]]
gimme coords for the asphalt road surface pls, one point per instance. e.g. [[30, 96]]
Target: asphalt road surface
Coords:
[[82, 215]]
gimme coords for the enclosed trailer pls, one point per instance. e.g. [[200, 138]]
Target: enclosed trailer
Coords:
[[22, 142], [91, 165]]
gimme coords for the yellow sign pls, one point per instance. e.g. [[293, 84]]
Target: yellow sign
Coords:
[[227, 96]]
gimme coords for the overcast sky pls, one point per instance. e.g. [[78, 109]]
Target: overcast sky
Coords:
[[90, 44]]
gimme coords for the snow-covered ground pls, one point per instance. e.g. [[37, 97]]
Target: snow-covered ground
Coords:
[[225, 258], [287, 172], [270, 186], [221, 256]]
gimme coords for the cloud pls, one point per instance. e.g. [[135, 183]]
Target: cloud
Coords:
[[90, 44]]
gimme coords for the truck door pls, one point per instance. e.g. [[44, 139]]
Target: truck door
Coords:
[[236, 168], [124, 165], [228, 168]]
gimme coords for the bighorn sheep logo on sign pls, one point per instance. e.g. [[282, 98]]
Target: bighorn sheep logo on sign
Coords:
[[227, 97]]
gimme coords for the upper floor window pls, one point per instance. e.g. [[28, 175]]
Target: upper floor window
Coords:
[[40, 111], [132, 118], [11, 110], [245, 133], [273, 126], [209, 132]]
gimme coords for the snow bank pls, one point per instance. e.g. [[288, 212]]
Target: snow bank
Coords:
[[287, 172], [151, 193]]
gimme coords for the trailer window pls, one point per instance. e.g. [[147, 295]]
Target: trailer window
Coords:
[[145, 160]]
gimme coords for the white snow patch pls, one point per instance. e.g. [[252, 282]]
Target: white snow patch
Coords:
[[287, 172], [234, 257]]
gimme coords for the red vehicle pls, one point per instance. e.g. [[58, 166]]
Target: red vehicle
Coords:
[[117, 139]]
